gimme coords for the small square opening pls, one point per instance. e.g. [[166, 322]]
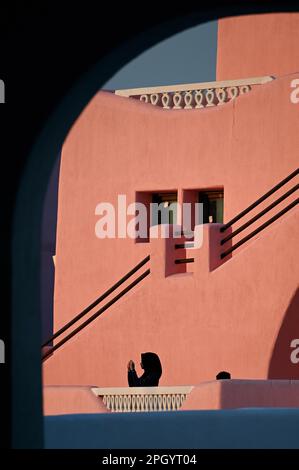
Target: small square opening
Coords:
[[212, 201], [161, 208], [212, 209]]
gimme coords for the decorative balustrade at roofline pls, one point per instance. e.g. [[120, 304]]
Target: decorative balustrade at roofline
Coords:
[[194, 95], [143, 398]]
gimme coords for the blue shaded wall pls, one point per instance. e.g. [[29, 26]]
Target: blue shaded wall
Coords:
[[48, 248], [254, 428]]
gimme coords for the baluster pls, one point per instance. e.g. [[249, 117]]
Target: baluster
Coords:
[[177, 100], [199, 98], [166, 100], [130, 407], [177, 401], [138, 400], [108, 398], [104, 398], [173, 402], [112, 403], [125, 403], [168, 401], [188, 98], [154, 98], [122, 405], [244, 89], [210, 97], [221, 95], [151, 402], [160, 404], [233, 92], [116, 403], [182, 398], [146, 403], [134, 402], [144, 98]]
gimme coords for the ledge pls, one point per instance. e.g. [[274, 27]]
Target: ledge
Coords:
[[228, 394]]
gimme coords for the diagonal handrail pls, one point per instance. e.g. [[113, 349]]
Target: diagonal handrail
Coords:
[[97, 301], [260, 200], [260, 214], [259, 229], [96, 314]]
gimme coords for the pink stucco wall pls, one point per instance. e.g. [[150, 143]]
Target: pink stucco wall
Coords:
[[255, 45], [223, 394], [239, 316], [71, 400]]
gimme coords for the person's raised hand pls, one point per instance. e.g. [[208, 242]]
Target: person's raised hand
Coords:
[[131, 365]]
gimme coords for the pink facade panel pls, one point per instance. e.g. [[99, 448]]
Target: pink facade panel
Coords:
[[225, 394], [71, 400], [238, 316], [255, 45]]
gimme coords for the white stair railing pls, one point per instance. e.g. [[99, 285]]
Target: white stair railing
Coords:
[[136, 399]]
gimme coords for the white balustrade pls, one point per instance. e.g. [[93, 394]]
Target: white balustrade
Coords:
[[137, 399], [194, 95]]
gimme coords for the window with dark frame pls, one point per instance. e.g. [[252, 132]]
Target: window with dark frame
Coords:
[[165, 200], [212, 201]]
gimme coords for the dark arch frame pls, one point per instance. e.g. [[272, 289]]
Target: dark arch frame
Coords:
[[37, 143]]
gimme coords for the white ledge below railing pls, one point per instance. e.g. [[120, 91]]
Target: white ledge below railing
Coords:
[[194, 95], [143, 398]]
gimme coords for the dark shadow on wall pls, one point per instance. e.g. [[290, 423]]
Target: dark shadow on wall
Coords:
[[280, 366], [48, 249]]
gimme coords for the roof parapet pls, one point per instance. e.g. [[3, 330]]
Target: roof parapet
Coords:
[[194, 95]]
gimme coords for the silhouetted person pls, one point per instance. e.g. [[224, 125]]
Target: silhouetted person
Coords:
[[223, 375], [151, 365]]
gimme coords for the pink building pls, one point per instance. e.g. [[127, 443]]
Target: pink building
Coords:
[[229, 304]]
